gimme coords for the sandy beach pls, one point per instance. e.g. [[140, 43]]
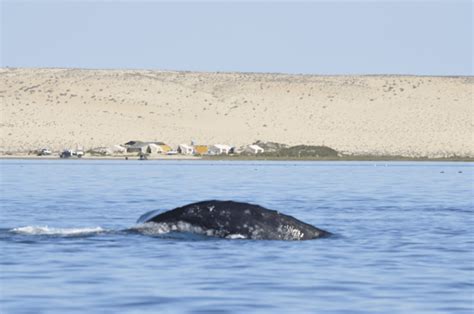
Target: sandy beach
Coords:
[[378, 115]]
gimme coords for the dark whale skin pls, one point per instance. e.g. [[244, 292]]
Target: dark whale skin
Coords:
[[229, 218]]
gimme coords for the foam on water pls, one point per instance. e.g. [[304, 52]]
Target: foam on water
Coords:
[[149, 228], [153, 228], [236, 236], [45, 230]]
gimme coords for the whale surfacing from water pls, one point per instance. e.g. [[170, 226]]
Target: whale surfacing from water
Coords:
[[229, 219]]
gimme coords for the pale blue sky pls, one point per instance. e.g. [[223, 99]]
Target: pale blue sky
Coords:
[[334, 37]]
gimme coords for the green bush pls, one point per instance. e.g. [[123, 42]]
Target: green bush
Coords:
[[303, 151]]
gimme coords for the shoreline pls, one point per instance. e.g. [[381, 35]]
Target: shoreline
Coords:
[[244, 158], [165, 157]]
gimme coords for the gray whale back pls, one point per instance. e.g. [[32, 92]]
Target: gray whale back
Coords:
[[229, 219]]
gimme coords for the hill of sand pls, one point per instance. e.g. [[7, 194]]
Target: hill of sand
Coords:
[[382, 115]]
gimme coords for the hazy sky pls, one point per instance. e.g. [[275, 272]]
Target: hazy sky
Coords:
[[333, 37]]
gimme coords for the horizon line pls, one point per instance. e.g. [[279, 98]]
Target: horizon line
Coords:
[[231, 72]]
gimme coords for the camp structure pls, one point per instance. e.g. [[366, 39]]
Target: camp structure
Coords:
[[220, 149], [253, 149], [185, 149], [201, 149], [136, 147], [146, 147], [117, 149], [165, 148], [153, 148], [112, 150]]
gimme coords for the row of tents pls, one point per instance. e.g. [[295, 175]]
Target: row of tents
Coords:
[[152, 148]]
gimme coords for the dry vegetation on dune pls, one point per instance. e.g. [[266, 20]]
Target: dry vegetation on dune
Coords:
[[376, 115]]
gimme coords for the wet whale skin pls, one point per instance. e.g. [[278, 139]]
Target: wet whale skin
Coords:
[[229, 219]]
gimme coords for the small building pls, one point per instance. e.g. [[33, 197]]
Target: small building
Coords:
[[185, 149], [136, 147], [220, 149], [253, 149], [165, 148], [146, 147], [201, 149], [117, 149], [153, 148]]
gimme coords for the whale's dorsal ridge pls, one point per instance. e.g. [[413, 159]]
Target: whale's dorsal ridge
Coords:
[[251, 221]]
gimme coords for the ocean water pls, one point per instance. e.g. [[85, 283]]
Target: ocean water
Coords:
[[403, 238]]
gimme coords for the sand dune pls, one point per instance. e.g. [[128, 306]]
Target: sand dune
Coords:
[[390, 115]]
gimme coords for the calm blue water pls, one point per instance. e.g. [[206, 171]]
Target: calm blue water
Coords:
[[404, 238]]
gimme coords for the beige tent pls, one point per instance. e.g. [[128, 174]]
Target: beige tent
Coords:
[[154, 149], [185, 149]]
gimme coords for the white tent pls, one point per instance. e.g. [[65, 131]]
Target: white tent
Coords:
[[154, 149], [219, 149], [117, 149], [253, 149], [185, 149]]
